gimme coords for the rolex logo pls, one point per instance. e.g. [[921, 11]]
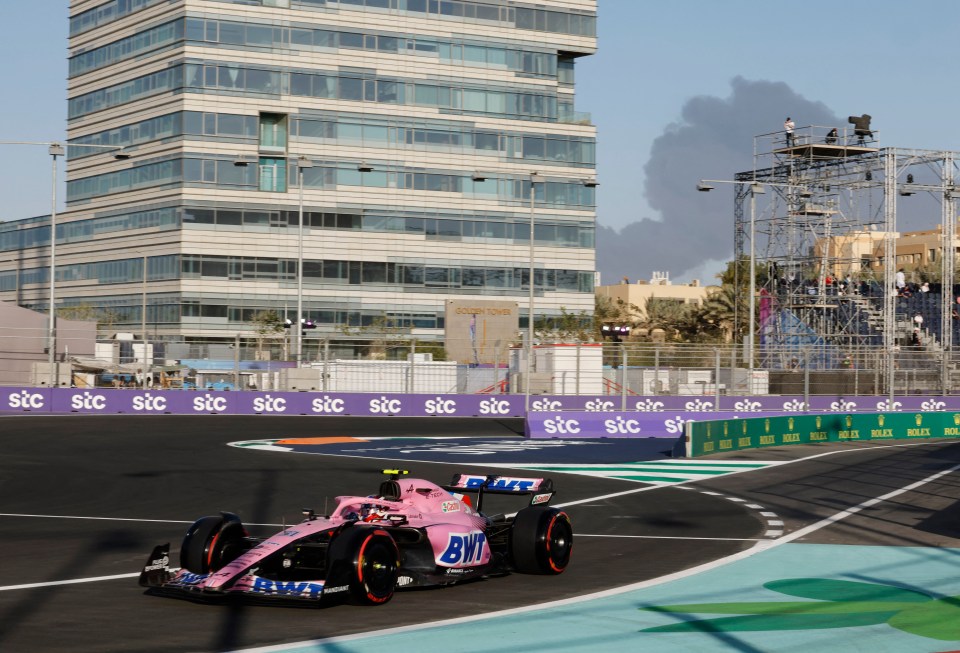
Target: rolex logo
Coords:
[[919, 418], [881, 419]]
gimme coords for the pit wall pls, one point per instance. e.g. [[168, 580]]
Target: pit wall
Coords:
[[715, 436]]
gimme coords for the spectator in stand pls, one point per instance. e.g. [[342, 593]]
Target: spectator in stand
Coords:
[[925, 287], [918, 321], [901, 281]]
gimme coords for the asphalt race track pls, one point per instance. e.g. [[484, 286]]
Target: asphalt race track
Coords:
[[83, 498]]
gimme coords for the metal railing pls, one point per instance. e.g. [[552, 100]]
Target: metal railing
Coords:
[[392, 363]]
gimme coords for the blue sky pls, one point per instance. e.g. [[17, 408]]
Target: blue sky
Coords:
[[893, 60]]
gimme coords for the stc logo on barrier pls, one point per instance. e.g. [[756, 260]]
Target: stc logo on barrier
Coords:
[[675, 426], [561, 425], [268, 404], [649, 406], [328, 405], [621, 426], [843, 406], [748, 406], [149, 402], [88, 401], [384, 406], [494, 407], [599, 406], [886, 406], [545, 405], [209, 404], [440, 406], [24, 399], [932, 404]]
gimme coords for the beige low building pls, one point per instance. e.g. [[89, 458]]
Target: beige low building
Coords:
[[658, 287], [863, 250]]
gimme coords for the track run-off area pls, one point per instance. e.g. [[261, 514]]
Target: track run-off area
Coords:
[[852, 546]]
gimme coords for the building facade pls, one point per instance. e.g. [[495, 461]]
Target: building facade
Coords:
[[636, 295], [418, 139]]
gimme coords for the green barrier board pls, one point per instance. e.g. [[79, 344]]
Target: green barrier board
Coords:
[[707, 437]]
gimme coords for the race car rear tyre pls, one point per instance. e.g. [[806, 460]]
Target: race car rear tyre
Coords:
[[374, 563], [541, 540], [211, 542]]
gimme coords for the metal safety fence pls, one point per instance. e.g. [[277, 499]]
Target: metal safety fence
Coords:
[[401, 363]]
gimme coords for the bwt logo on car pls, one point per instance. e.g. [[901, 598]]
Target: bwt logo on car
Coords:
[[502, 483], [494, 407], [598, 406], [545, 405], [463, 549], [268, 404], [149, 402], [561, 425], [88, 401], [24, 399], [385, 406], [326, 404], [621, 426], [209, 404], [440, 406], [289, 588]]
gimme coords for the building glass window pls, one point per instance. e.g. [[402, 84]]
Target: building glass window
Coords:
[[273, 174]]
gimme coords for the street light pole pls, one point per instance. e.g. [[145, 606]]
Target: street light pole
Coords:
[[55, 150], [147, 362], [755, 189], [302, 163], [530, 302]]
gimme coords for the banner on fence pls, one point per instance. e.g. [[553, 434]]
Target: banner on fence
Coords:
[[714, 436]]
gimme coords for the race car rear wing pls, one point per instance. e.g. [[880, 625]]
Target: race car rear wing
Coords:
[[540, 488]]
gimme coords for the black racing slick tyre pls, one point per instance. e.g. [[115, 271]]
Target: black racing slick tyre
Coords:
[[371, 560], [212, 542], [541, 540]]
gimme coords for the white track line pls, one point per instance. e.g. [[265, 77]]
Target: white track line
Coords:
[[74, 581]]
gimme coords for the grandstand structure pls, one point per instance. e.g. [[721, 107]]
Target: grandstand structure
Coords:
[[818, 214]]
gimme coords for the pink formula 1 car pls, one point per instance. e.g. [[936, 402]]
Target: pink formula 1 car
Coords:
[[413, 533]]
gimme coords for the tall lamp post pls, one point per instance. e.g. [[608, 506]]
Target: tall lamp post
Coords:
[[302, 164], [530, 301], [756, 188], [55, 149], [534, 177]]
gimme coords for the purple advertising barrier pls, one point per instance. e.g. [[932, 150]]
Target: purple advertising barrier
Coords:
[[25, 400], [107, 401], [575, 424], [192, 402], [139, 402], [779, 403]]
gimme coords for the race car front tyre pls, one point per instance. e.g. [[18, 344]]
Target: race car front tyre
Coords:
[[374, 561], [541, 540], [211, 542]]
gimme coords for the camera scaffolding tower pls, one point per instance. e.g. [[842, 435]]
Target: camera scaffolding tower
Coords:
[[825, 236]]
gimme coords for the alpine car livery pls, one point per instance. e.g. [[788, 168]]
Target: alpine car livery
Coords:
[[413, 533]]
